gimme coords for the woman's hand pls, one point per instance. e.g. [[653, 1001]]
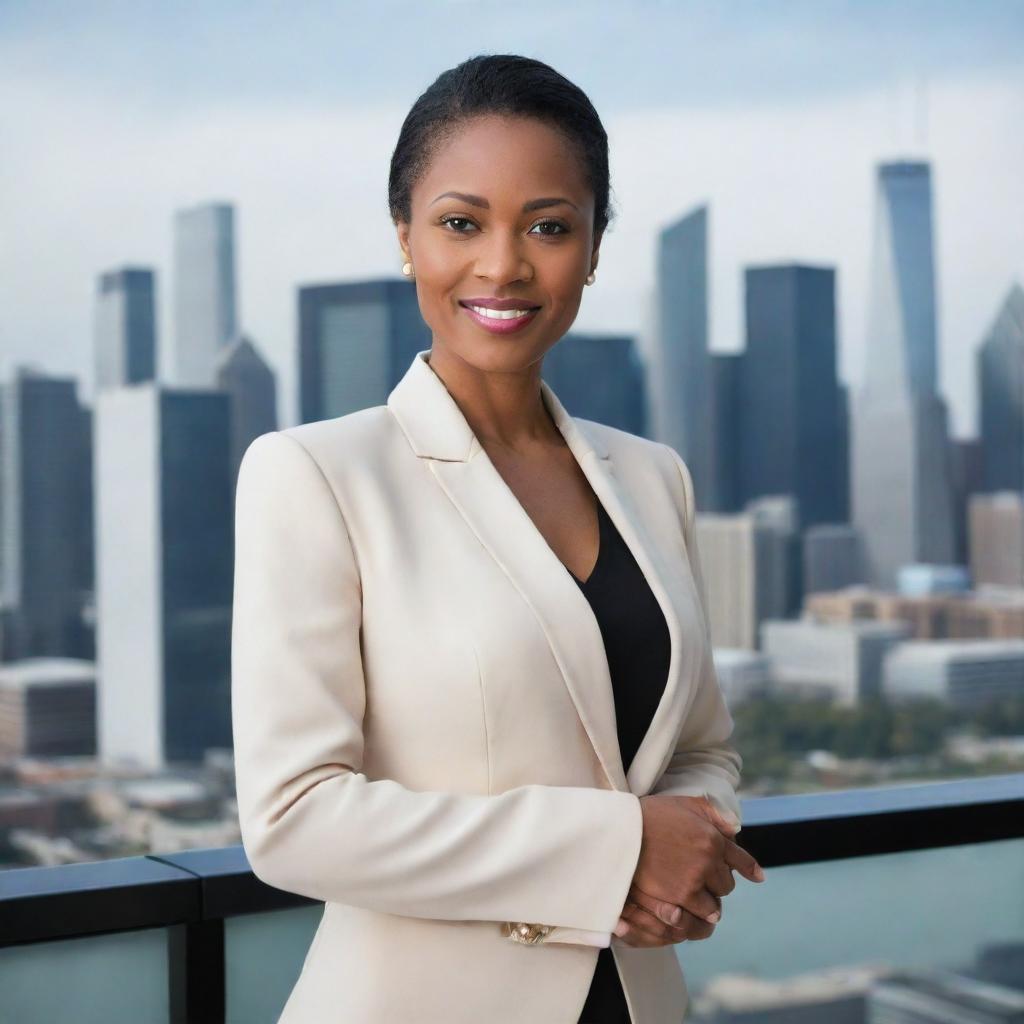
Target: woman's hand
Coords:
[[641, 923], [647, 919]]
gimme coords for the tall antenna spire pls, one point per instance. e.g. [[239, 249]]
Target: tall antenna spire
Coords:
[[922, 113]]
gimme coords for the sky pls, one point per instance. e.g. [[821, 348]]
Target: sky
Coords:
[[773, 114]]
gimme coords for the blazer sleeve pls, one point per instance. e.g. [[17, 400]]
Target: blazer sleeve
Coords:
[[704, 762], [311, 820]]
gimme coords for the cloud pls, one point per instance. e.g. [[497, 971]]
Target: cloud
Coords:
[[93, 172]]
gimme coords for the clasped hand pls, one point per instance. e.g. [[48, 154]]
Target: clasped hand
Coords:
[[687, 856]]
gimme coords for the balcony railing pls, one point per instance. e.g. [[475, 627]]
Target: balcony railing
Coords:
[[191, 896]]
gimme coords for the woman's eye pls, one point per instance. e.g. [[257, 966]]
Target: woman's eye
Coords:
[[453, 220], [551, 224]]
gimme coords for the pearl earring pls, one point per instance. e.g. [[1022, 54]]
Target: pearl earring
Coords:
[[591, 278], [407, 269]]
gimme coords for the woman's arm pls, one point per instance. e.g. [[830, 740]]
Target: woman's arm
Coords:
[[312, 822], [704, 762]]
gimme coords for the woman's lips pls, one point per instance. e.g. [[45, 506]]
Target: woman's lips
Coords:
[[503, 326]]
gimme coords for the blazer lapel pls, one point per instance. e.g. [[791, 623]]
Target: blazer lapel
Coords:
[[439, 433]]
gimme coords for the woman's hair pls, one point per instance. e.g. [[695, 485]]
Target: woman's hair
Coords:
[[503, 84]]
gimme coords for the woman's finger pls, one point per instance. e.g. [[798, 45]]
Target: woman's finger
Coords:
[[738, 858], [650, 928], [631, 935], [666, 912]]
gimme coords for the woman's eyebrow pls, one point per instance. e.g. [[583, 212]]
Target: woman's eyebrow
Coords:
[[533, 204]]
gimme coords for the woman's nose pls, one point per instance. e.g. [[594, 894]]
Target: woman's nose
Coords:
[[502, 259]]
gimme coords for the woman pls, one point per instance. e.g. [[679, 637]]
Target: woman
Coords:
[[474, 704]]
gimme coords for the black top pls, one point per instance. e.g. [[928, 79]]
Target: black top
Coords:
[[637, 645]]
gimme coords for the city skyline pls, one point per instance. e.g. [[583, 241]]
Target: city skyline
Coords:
[[307, 159], [213, 624]]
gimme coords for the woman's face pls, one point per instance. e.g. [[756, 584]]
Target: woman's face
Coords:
[[483, 244]]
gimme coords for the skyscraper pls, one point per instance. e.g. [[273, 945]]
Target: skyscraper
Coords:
[[680, 368], [995, 524], [1001, 396], [204, 292], [356, 340], [45, 517], [901, 492], [164, 573], [243, 373], [789, 405], [125, 328], [599, 377], [901, 312], [726, 381], [746, 572]]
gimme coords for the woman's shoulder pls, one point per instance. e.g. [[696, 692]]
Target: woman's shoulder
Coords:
[[356, 437], [361, 429]]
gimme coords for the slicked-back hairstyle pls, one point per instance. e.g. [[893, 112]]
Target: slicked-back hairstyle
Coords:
[[503, 84]]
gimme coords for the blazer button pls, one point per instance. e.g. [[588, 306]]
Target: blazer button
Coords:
[[527, 934]]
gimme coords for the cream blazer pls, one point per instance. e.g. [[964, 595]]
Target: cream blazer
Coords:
[[424, 723]]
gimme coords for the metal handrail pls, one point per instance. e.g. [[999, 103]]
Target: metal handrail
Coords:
[[40, 904], [192, 893]]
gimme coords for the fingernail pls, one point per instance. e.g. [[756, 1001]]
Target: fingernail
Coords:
[[676, 916], [759, 873], [621, 928], [713, 918]]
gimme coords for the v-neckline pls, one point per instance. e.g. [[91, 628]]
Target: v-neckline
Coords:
[[600, 546]]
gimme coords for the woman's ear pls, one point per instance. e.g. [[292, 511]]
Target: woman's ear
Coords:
[[402, 227]]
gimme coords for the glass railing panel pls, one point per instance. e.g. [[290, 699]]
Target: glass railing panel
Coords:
[[955, 911], [263, 956], [106, 979]]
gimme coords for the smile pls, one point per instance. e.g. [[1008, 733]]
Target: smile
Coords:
[[500, 321], [500, 314]]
